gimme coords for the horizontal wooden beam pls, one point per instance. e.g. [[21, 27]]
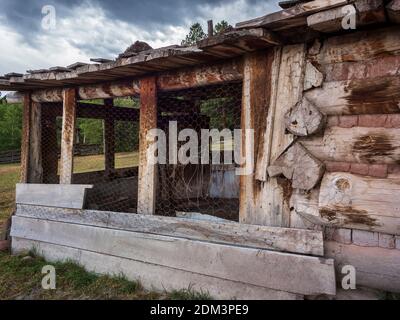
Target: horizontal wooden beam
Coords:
[[252, 236], [175, 80], [274, 270]]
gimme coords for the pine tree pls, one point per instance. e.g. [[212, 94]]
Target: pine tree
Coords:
[[222, 26], [196, 34]]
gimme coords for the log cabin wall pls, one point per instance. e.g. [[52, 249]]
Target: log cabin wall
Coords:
[[348, 122]]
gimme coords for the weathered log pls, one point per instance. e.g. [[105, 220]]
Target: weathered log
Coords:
[[105, 91], [175, 80], [200, 76], [304, 119], [68, 136], [393, 10], [298, 165], [366, 12], [35, 171], [357, 145], [364, 96], [147, 167], [313, 77], [360, 202], [360, 46]]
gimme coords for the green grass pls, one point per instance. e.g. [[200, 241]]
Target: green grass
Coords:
[[21, 277], [10, 175]]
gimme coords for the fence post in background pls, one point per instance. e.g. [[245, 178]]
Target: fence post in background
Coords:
[[147, 171], [109, 137], [68, 136]]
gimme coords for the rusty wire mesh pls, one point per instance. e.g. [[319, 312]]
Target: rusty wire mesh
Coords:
[[106, 152], [200, 188]]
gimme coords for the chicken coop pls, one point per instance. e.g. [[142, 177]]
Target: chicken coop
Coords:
[[316, 104]]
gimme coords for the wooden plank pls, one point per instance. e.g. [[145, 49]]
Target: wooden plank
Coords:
[[35, 174], [25, 139], [151, 276], [367, 12], [290, 88], [255, 109], [366, 96], [376, 267], [222, 261], [356, 145], [290, 17], [393, 10], [147, 167], [109, 137], [68, 136], [56, 195], [360, 201], [269, 238]]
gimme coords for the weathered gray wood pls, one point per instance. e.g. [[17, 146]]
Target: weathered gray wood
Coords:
[[200, 216], [275, 192], [269, 238], [25, 134], [304, 119], [52, 195], [313, 77], [393, 10], [151, 276], [147, 166], [298, 165], [360, 46], [289, 17], [375, 267], [222, 261], [357, 202], [361, 96], [35, 174], [357, 145], [68, 136]]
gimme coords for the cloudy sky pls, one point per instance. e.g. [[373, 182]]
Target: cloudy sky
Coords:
[[103, 28]]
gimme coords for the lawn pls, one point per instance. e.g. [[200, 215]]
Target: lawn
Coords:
[[10, 175], [21, 277]]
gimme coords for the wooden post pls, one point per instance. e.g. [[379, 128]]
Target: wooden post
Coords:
[[35, 174], [26, 116], [31, 156], [68, 136], [267, 96], [210, 28], [147, 170], [109, 137]]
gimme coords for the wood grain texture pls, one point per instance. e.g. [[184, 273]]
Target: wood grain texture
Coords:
[[356, 145], [364, 202], [68, 136], [376, 267], [360, 96], [222, 261], [147, 168], [393, 10], [304, 119], [269, 238], [25, 137], [151, 276], [35, 145]]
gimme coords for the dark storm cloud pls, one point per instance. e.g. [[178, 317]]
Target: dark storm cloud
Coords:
[[25, 16]]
